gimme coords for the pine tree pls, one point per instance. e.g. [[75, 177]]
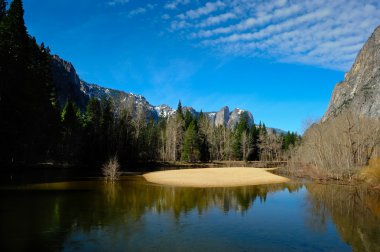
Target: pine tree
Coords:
[[179, 114], [107, 125], [125, 140], [3, 11], [240, 141], [254, 153], [92, 132], [190, 151], [188, 118], [71, 132], [204, 125], [3, 38], [178, 133], [29, 112], [16, 30]]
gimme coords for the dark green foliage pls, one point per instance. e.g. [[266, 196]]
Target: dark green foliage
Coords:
[[92, 132], [17, 37], [188, 118], [191, 151], [3, 5], [242, 127], [290, 139], [71, 132], [254, 151], [204, 145], [29, 118], [179, 114]]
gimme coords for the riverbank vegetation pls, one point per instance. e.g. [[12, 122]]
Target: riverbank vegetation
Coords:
[[339, 149]]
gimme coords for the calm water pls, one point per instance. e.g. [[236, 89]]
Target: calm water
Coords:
[[133, 215]]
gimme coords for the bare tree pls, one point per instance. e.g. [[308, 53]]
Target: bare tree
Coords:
[[339, 147], [111, 169]]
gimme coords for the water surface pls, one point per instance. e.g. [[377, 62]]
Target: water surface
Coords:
[[133, 215]]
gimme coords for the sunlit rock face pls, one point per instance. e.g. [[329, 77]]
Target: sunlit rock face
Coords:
[[236, 115], [222, 116], [359, 92]]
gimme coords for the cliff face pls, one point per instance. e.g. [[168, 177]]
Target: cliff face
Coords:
[[359, 92], [67, 83], [221, 118]]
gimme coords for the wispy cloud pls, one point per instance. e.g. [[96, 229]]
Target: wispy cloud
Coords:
[[321, 33], [202, 11], [117, 2], [141, 10], [214, 20], [174, 4]]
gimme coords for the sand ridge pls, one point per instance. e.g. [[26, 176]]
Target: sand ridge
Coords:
[[215, 177]]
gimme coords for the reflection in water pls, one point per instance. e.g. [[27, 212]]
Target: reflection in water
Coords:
[[138, 197], [94, 215], [354, 210]]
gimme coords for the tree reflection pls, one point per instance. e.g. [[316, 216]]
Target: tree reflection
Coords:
[[56, 211], [354, 210], [44, 217]]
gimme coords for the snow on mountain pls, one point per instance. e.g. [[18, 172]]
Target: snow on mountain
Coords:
[[70, 87]]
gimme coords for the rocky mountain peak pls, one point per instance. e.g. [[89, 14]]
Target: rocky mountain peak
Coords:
[[70, 87], [360, 90], [222, 116]]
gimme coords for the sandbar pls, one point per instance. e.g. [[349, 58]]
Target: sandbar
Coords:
[[215, 177]]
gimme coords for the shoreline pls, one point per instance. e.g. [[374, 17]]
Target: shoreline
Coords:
[[215, 177]]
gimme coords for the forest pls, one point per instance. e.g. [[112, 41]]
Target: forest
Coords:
[[35, 128]]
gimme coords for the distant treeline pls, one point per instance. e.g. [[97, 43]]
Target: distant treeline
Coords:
[[101, 132], [34, 128]]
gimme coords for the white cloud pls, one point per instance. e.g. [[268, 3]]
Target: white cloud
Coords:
[[322, 33], [165, 16], [213, 20], [137, 11], [260, 19], [116, 2], [141, 10], [204, 10], [174, 4]]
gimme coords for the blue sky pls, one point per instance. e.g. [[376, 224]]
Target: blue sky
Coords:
[[279, 59]]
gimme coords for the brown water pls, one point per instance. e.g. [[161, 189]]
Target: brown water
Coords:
[[133, 215]]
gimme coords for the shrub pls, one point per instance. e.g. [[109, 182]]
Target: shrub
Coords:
[[111, 169], [371, 173]]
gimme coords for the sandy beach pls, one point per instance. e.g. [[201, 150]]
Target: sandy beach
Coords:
[[215, 177]]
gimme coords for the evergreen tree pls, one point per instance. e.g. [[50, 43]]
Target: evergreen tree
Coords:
[[29, 121], [107, 126], [178, 133], [179, 114], [18, 37], [71, 133], [92, 135], [188, 118], [190, 151], [126, 147], [264, 129], [203, 125], [240, 141], [3, 11], [254, 152]]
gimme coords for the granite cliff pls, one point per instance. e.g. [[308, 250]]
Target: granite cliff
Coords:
[[359, 92]]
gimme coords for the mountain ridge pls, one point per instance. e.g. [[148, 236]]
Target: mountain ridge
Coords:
[[69, 86]]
